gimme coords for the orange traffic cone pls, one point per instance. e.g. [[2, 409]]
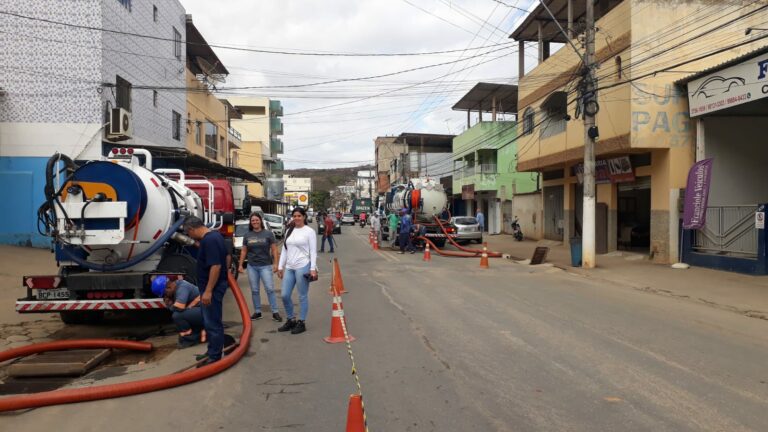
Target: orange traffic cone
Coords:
[[337, 331], [427, 254], [484, 257], [355, 416], [375, 242], [337, 283], [370, 237]]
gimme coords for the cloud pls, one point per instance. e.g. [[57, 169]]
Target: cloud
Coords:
[[345, 133]]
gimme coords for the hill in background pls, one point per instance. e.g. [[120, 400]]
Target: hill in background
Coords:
[[329, 178]]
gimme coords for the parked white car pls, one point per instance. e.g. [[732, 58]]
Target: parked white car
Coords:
[[275, 224]]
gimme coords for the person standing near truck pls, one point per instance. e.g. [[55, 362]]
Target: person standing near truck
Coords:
[[212, 275], [392, 220], [260, 248], [406, 225]]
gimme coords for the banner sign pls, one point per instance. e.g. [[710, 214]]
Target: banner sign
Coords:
[[616, 170], [696, 195]]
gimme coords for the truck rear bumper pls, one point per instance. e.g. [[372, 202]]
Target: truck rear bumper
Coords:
[[46, 306]]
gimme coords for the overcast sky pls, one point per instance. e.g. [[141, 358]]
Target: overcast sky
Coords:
[[343, 135]]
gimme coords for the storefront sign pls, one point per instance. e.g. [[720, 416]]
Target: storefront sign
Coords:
[[620, 170], [759, 220], [468, 192], [729, 87], [696, 195], [616, 170]]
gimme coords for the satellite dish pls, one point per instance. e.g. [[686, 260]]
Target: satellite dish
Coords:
[[208, 72]]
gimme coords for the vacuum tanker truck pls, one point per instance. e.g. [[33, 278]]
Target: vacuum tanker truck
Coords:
[[424, 199], [114, 225]]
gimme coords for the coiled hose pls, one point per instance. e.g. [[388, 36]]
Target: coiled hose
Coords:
[[108, 391]]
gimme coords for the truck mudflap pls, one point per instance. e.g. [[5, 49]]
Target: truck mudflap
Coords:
[[42, 306]]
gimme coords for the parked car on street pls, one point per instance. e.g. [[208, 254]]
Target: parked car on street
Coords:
[[348, 218], [275, 224], [467, 229], [336, 225]]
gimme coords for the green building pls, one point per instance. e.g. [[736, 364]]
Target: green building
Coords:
[[485, 173]]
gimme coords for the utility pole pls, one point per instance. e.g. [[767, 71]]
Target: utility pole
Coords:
[[590, 108]]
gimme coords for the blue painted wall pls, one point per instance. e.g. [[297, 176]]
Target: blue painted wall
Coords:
[[22, 180]]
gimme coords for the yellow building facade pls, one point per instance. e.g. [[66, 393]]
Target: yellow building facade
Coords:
[[647, 141]]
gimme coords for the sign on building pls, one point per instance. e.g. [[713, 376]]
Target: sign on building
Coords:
[[697, 194], [729, 87]]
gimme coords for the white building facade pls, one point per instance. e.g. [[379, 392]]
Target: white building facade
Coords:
[[60, 84]]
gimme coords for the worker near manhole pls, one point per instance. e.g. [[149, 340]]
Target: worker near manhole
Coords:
[[212, 274], [406, 226], [183, 299]]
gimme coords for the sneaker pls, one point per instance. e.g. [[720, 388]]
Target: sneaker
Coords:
[[413, 252], [322, 251], [202, 356], [401, 252], [299, 327], [289, 325], [276, 317], [256, 316]]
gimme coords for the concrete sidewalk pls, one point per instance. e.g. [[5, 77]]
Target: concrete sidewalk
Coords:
[[743, 294]]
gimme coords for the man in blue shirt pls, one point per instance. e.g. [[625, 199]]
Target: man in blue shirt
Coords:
[[212, 275], [406, 224], [183, 299], [480, 221]]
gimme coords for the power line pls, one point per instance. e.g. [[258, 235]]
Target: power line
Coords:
[[246, 49]]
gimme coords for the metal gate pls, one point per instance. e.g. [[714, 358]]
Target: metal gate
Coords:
[[730, 230], [553, 212]]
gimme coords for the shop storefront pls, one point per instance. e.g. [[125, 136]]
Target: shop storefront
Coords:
[[729, 106]]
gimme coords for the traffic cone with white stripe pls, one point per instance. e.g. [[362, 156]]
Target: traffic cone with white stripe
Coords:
[[337, 283], [484, 257], [370, 237], [337, 331], [355, 416], [375, 242], [427, 254]]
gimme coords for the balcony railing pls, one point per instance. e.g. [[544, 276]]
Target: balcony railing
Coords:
[[276, 108], [487, 169], [235, 137], [276, 145], [276, 126]]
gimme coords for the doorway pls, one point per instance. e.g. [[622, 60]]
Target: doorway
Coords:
[[634, 215]]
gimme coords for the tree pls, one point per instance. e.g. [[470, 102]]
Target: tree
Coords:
[[319, 199]]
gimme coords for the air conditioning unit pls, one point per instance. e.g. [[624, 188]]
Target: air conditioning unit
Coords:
[[120, 125]]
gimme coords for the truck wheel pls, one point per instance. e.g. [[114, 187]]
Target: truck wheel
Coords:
[[81, 317]]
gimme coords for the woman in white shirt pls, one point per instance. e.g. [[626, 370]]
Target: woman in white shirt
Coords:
[[298, 263]]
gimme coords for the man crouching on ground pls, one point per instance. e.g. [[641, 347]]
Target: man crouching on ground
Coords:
[[183, 299], [211, 274]]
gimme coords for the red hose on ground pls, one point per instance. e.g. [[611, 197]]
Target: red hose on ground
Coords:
[[462, 248], [57, 397], [447, 253]]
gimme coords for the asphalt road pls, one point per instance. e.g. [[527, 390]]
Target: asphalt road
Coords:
[[446, 346]]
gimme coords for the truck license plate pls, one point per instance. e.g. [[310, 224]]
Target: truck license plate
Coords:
[[53, 294]]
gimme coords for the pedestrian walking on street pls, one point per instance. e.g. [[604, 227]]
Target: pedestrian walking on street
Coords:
[[406, 225], [480, 221], [183, 300], [212, 259], [260, 250], [297, 268], [327, 233]]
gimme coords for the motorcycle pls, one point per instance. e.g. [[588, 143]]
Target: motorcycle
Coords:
[[517, 232], [362, 223]]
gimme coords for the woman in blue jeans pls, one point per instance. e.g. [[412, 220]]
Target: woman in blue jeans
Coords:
[[298, 264], [259, 248]]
